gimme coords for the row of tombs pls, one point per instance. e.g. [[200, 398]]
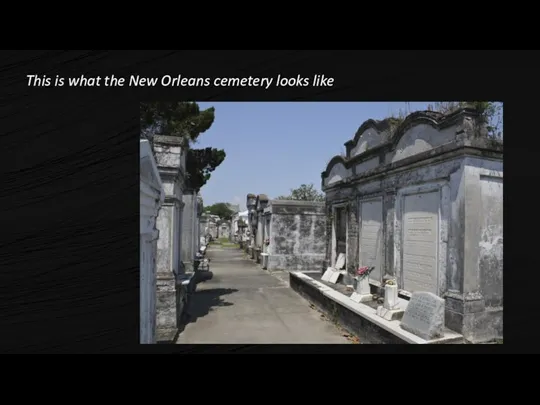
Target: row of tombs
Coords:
[[420, 202]]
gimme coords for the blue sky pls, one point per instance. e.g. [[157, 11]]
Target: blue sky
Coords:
[[273, 147]]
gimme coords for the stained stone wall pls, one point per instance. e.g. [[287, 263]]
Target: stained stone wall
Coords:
[[170, 156], [151, 198], [297, 235], [203, 225], [251, 204], [352, 232], [424, 203], [209, 225], [224, 230], [197, 225], [190, 228]]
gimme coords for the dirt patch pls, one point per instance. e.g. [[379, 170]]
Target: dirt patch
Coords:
[[350, 337]]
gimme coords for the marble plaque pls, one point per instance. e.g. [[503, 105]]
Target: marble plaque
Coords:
[[424, 315], [420, 242], [370, 236]]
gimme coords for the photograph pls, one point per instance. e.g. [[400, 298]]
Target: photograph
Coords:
[[321, 222]]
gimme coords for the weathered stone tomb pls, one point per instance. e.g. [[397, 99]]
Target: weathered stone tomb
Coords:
[[421, 200], [152, 196], [287, 234], [171, 279]]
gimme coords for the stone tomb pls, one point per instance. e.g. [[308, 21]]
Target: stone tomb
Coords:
[[291, 232], [424, 316], [432, 186]]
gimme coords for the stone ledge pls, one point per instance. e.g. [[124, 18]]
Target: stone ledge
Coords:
[[169, 140], [359, 319], [165, 275]]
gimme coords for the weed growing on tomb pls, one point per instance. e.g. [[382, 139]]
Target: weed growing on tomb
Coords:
[[491, 113]]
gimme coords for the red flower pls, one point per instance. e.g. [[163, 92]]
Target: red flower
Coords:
[[362, 270]]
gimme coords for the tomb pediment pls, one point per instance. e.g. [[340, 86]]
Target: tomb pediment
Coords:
[[336, 171], [371, 134], [377, 144]]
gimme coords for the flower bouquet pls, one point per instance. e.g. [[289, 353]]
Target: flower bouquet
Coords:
[[361, 284], [363, 272]]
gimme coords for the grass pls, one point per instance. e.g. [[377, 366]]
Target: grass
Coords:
[[224, 242], [231, 245]]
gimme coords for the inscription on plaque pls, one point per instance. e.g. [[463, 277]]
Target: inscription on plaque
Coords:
[[424, 315], [370, 238], [420, 242]]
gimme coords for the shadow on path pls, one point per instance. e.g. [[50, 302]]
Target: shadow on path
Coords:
[[204, 301]]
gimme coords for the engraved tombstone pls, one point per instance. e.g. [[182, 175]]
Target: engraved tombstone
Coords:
[[420, 242], [424, 316], [370, 231]]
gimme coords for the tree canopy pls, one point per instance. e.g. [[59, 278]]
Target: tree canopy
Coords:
[[176, 118], [221, 209], [184, 120], [306, 192]]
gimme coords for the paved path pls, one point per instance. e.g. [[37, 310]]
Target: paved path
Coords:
[[246, 305]]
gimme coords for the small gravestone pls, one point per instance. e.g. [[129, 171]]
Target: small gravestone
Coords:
[[340, 262], [334, 277], [424, 316], [331, 275], [327, 274]]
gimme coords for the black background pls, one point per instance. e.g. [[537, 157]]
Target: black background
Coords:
[[69, 188]]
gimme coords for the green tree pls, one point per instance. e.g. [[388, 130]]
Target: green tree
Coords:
[[306, 192], [186, 121], [176, 118], [200, 163], [222, 210]]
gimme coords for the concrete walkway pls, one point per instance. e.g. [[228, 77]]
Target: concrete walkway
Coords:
[[246, 305]]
